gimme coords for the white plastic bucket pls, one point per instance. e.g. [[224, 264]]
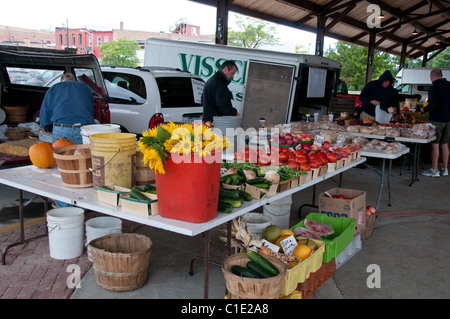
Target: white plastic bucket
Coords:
[[65, 232], [279, 211], [87, 130], [257, 222], [101, 226]]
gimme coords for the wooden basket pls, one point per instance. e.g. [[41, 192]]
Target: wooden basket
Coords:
[[370, 221], [144, 175], [249, 288], [121, 261], [16, 113], [74, 168]]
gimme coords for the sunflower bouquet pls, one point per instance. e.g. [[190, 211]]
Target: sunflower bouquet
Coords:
[[169, 139]]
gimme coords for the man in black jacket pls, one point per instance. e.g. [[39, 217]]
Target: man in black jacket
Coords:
[[380, 92], [217, 96], [439, 109]]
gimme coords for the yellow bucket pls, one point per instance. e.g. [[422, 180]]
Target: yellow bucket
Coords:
[[113, 158]]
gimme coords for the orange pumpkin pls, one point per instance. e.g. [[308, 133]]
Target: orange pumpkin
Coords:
[[61, 142], [41, 155]]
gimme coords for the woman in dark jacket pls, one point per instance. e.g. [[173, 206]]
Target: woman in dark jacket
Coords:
[[380, 92]]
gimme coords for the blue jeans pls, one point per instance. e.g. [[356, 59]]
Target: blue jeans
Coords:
[[71, 133]]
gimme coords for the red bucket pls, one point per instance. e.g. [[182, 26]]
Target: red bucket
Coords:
[[189, 190]]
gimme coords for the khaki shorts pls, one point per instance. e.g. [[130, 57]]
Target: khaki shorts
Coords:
[[442, 132]]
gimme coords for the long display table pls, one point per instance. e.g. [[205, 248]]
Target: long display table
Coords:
[[47, 183]]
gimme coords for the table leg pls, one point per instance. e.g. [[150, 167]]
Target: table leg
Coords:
[[22, 228], [389, 182], [380, 190], [206, 265], [414, 174]]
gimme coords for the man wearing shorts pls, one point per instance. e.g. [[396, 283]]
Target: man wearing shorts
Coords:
[[439, 110]]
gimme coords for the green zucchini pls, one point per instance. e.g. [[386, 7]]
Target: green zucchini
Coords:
[[137, 189], [244, 195], [258, 269], [263, 262], [257, 180], [244, 272], [234, 203], [138, 195], [261, 185], [224, 207], [149, 188], [231, 176], [228, 194]]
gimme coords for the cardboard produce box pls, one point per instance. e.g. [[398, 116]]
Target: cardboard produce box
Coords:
[[339, 207]]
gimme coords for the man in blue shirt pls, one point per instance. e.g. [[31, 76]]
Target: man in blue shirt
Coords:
[[67, 106]]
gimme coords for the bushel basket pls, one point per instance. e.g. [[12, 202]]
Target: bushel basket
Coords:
[[121, 261], [249, 288], [74, 163]]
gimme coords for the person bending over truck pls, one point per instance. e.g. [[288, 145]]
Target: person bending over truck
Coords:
[[380, 92], [67, 106], [216, 95], [439, 115]]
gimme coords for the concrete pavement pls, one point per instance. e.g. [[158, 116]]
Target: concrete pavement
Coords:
[[407, 249]]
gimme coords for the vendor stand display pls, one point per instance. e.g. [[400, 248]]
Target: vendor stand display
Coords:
[[48, 184]]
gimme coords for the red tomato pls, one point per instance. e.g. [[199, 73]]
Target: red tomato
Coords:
[[263, 160], [332, 158], [283, 157], [292, 164], [250, 155], [301, 160], [305, 167]]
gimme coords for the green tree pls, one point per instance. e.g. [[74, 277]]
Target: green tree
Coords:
[[120, 52], [252, 33], [353, 59], [301, 49], [442, 60]]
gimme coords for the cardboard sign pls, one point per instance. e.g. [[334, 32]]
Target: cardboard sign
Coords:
[[289, 245]]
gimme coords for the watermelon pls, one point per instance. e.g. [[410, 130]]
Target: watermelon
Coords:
[[324, 230], [305, 233]]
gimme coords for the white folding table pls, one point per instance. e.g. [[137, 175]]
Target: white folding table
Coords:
[[384, 156], [47, 183]]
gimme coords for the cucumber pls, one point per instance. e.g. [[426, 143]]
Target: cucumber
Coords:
[[228, 194], [137, 189], [244, 272], [149, 188], [224, 207], [257, 180], [146, 187], [231, 176], [263, 262], [261, 185], [258, 269], [138, 195], [244, 195], [234, 203]]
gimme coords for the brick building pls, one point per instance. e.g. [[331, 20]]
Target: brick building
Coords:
[[83, 39], [87, 40], [26, 37]]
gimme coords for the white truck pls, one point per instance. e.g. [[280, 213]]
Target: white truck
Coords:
[[280, 87], [416, 81]]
